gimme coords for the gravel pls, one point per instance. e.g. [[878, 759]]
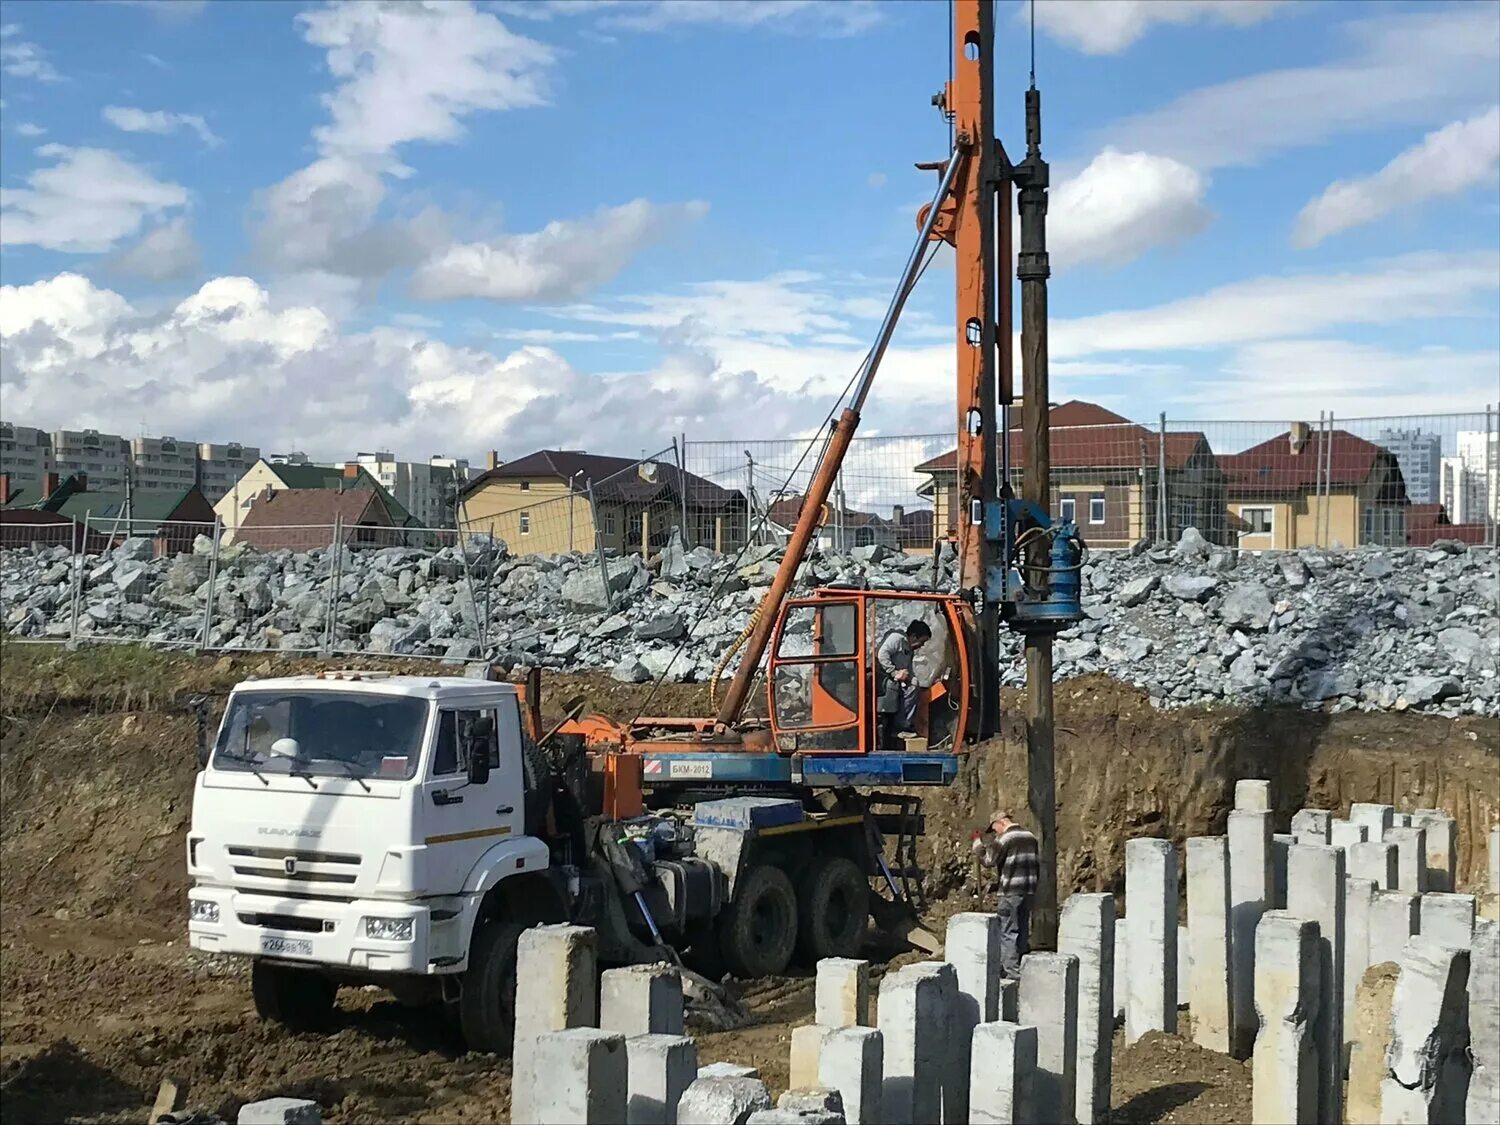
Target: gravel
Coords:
[[1368, 629]]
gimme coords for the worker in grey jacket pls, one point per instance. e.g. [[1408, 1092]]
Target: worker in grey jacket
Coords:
[[898, 697]]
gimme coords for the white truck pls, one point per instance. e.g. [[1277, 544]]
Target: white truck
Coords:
[[357, 827]]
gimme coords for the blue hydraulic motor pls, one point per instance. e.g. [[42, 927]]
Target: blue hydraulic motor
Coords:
[[1034, 599]]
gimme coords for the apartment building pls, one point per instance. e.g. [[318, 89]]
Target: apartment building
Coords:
[[163, 463], [1420, 456], [25, 455], [220, 466], [427, 489], [103, 458]]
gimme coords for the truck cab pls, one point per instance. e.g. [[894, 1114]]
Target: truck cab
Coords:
[[349, 826]]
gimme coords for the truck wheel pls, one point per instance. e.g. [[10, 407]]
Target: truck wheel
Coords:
[[833, 910], [759, 929], [487, 1002], [295, 998]]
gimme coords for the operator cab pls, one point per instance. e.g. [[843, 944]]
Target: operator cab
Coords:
[[825, 683]]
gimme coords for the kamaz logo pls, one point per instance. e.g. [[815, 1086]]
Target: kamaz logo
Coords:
[[311, 833]]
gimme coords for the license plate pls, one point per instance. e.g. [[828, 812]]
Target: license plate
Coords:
[[286, 947], [704, 770]]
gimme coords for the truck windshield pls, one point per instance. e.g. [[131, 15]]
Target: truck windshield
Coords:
[[323, 734]]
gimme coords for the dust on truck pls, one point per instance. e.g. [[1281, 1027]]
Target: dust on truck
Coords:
[[354, 828]]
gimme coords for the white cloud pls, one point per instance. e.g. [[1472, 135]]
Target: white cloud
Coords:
[[27, 129], [875, 179], [819, 17], [164, 253], [131, 120], [21, 59], [796, 17], [1122, 204], [1353, 380], [1413, 67], [1446, 162], [562, 261], [307, 217], [1107, 27], [85, 202], [228, 362], [413, 71], [1409, 287]]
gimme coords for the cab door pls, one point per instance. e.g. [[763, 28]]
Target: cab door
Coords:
[[817, 698], [461, 820]]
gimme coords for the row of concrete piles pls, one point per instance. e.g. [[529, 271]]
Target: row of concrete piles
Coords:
[[1337, 949]]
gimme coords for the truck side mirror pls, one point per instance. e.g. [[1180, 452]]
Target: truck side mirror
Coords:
[[199, 705], [478, 739]]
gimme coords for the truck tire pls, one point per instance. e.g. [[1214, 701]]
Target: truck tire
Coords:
[[833, 906], [758, 930], [299, 999], [487, 1001]]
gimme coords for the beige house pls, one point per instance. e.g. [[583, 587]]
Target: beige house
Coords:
[[237, 502], [1107, 477], [1309, 489], [547, 503]]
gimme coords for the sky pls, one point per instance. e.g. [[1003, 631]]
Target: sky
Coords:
[[453, 227]]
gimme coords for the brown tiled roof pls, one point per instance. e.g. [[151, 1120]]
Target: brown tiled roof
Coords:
[[1086, 436], [1271, 466], [615, 479], [785, 511], [300, 518]]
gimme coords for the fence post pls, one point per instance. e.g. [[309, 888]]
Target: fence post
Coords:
[[749, 495], [645, 532], [1491, 478], [681, 452], [335, 566], [1161, 480], [80, 556], [1328, 491], [1142, 529], [213, 582], [609, 598]]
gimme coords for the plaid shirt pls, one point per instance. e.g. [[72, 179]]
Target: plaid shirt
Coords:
[[1016, 854]]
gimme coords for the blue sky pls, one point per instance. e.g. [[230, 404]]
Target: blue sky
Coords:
[[506, 225]]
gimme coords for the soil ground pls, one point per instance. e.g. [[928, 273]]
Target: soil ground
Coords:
[[100, 999]]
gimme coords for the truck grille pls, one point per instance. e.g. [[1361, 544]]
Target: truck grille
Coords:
[[286, 922], [286, 864]]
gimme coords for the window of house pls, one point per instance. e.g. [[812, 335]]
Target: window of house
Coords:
[[1067, 509], [525, 523], [1096, 508], [1257, 521], [1369, 536], [609, 521], [525, 486]]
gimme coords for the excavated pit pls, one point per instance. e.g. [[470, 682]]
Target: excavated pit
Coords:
[[100, 1000]]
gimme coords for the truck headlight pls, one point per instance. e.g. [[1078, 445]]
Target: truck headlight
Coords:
[[203, 910], [388, 929]]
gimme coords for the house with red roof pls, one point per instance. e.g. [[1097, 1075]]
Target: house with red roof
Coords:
[[1108, 475], [1311, 488]]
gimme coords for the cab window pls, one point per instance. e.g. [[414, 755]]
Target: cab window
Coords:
[[452, 732]]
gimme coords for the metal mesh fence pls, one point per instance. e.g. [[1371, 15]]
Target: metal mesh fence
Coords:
[[539, 571]]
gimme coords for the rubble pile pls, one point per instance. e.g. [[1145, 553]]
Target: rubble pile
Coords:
[[1371, 629]]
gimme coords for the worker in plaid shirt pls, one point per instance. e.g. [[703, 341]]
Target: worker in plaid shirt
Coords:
[[1014, 852]]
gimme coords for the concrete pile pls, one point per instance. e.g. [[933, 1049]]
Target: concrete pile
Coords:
[[951, 1041], [1369, 629]]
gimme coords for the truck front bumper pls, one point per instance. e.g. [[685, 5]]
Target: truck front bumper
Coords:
[[325, 933]]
